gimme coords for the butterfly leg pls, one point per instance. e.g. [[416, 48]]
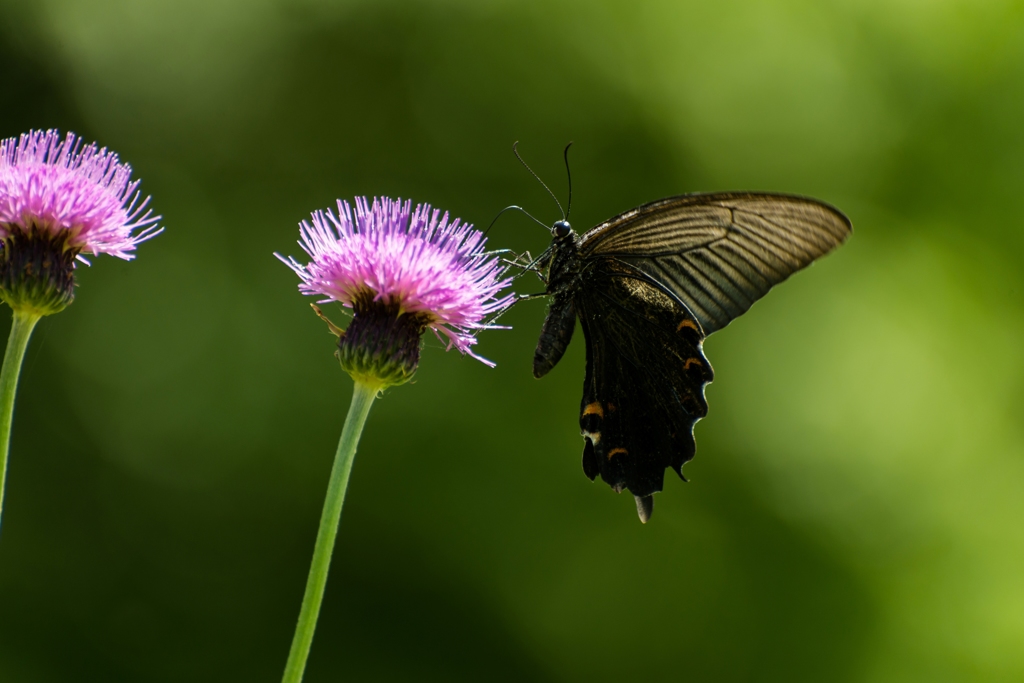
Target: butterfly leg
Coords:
[[519, 297], [527, 264], [517, 261], [535, 265]]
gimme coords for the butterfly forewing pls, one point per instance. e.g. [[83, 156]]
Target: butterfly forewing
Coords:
[[644, 387], [719, 253]]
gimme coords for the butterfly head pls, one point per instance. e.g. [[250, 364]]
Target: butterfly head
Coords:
[[561, 229]]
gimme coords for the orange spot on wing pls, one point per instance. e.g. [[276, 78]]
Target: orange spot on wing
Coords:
[[691, 361], [687, 323], [615, 451], [594, 409]]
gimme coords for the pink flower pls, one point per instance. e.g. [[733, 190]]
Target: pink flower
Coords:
[[413, 261], [63, 189]]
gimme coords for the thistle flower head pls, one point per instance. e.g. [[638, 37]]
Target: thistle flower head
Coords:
[[403, 269], [59, 200]]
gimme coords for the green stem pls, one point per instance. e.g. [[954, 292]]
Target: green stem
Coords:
[[362, 399], [21, 330]]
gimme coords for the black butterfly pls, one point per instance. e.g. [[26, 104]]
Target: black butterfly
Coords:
[[648, 286]]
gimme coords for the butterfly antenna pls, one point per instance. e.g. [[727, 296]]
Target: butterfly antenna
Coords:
[[516, 152], [568, 173], [507, 208], [517, 208]]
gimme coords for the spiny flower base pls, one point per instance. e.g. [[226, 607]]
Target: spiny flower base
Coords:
[[382, 344], [37, 271]]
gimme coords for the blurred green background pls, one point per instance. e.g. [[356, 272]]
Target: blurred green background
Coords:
[[856, 506]]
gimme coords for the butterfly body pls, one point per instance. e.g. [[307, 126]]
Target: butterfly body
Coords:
[[647, 287], [563, 282]]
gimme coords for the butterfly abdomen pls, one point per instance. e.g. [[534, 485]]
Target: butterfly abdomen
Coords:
[[555, 335], [560, 322]]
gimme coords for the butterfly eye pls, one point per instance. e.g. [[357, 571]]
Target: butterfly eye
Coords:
[[561, 229]]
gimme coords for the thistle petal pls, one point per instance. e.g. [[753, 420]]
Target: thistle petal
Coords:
[[419, 260], [85, 194]]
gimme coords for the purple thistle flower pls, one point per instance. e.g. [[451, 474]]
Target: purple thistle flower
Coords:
[[59, 187], [414, 263], [59, 200]]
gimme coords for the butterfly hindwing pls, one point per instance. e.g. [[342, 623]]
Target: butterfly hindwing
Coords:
[[645, 378]]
